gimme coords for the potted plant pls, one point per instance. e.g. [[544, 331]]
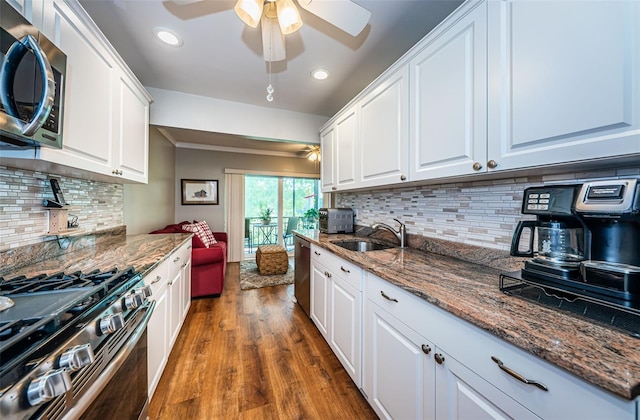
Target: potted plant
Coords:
[[265, 215], [310, 218]]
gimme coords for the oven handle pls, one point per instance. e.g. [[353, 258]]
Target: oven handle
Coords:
[[83, 403]]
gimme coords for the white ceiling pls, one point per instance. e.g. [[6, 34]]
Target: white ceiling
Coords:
[[222, 58]]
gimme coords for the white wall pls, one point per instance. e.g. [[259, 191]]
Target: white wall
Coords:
[[150, 207], [181, 110], [210, 165]]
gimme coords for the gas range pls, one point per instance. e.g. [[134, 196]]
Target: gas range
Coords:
[[58, 335]]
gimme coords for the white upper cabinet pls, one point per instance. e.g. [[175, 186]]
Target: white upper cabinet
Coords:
[[564, 81], [328, 162], [346, 142], [384, 131], [448, 100]]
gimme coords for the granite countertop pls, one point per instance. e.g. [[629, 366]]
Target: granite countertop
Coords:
[[142, 252], [602, 356]]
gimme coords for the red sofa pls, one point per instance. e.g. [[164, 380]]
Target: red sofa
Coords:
[[208, 265]]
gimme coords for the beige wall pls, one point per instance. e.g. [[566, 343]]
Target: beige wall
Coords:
[[150, 207], [210, 165]]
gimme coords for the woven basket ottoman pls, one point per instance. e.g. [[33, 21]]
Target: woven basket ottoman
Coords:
[[272, 259]]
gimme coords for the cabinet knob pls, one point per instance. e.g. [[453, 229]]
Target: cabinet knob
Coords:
[[403, 178], [426, 349], [477, 166], [492, 164], [439, 358]]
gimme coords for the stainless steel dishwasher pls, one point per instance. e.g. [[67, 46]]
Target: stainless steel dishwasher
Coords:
[[302, 287]]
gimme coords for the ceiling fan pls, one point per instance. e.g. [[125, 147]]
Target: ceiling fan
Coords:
[[280, 17]]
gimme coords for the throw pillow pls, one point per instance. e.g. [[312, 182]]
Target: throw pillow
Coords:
[[202, 230]]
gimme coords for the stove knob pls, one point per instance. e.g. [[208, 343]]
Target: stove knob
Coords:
[[48, 386], [77, 357], [111, 323], [133, 300], [145, 291]]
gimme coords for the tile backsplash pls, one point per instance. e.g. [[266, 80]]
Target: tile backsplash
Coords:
[[482, 213], [23, 219]]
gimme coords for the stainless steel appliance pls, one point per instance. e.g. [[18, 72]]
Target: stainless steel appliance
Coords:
[[335, 220], [74, 345], [302, 275], [32, 74], [593, 271]]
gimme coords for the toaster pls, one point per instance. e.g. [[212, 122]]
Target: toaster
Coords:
[[335, 220]]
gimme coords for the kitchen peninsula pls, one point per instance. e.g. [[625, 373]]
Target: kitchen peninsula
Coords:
[[455, 290]]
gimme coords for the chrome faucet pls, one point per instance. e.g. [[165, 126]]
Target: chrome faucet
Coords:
[[400, 234]]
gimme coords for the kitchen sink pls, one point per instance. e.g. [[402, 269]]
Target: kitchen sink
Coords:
[[362, 246]]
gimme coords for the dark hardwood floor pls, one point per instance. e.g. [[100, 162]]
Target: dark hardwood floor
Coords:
[[254, 354]]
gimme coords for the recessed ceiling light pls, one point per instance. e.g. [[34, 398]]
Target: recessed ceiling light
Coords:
[[320, 74], [168, 37]]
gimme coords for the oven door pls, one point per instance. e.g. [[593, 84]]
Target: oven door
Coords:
[[121, 390]]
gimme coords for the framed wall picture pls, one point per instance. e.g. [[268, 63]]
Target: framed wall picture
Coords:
[[199, 192]]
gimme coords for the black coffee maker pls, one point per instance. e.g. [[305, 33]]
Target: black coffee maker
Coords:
[[555, 240], [587, 236]]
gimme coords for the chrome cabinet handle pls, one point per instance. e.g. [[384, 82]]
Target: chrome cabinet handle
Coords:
[[439, 358], [384, 295], [426, 349], [344, 269], [517, 375], [326, 273], [158, 278], [183, 265], [176, 260], [316, 252]]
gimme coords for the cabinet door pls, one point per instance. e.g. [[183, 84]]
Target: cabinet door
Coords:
[[175, 307], [132, 145], [88, 126], [448, 100], [320, 289], [328, 162], [398, 372], [346, 149], [564, 81], [461, 394], [384, 131], [158, 326], [158, 337], [185, 274], [345, 320]]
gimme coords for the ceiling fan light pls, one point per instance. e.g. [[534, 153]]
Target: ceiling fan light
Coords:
[[249, 11], [288, 16]]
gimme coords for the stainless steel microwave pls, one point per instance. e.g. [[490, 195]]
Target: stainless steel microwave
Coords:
[[32, 77]]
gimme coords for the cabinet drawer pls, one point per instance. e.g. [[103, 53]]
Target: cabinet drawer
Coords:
[[347, 271], [398, 302], [157, 278], [178, 258], [567, 396]]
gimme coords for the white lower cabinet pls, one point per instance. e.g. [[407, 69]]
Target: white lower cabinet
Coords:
[[420, 361], [170, 285], [336, 307], [398, 377]]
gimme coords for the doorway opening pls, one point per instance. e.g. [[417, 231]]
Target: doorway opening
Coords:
[[275, 206]]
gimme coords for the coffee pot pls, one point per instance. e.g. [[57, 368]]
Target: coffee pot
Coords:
[[555, 240]]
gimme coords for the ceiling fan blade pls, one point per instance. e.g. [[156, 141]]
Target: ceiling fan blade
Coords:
[[183, 2], [343, 14], [273, 48]]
